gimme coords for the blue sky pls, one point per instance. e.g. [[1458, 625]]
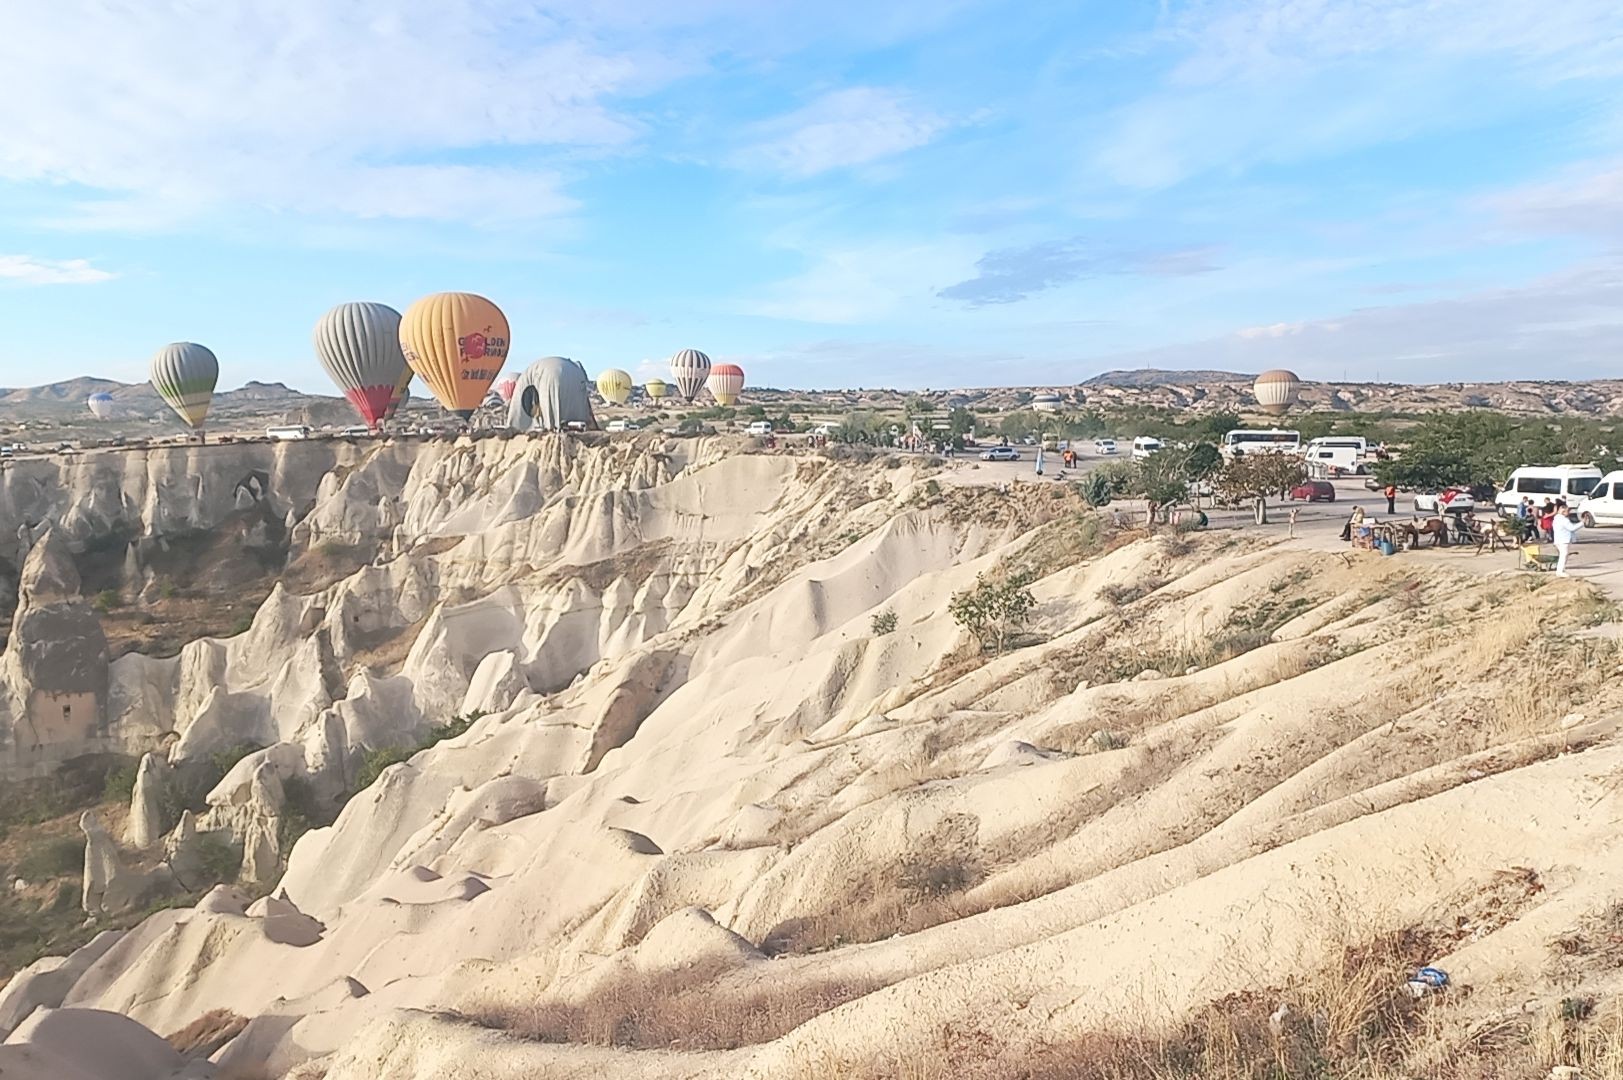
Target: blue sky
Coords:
[[915, 194]]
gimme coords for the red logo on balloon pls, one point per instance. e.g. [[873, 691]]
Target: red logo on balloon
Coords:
[[473, 346]]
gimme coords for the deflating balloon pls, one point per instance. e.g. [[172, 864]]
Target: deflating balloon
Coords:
[[1277, 391], [615, 386], [504, 389], [552, 394], [359, 345], [725, 382], [184, 375], [101, 405], [689, 368], [655, 388], [456, 342]]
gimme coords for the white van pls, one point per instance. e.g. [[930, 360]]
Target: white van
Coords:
[[1337, 455], [1104, 446], [759, 427], [1604, 504], [618, 426], [1540, 482], [1144, 446]]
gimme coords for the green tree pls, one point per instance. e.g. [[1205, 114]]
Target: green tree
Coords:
[[962, 421], [995, 607], [1255, 477]]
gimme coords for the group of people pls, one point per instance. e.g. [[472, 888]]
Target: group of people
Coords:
[[1552, 523]]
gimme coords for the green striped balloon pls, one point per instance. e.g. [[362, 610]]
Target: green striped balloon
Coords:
[[184, 375]]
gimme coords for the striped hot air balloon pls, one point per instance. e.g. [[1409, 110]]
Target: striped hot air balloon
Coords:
[[615, 386], [359, 345], [457, 342], [1277, 391], [656, 388], [725, 382], [689, 368], [100, 404], [184, 375]]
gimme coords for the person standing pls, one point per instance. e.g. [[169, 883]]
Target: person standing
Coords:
[[1566, 534], [1391, 494]]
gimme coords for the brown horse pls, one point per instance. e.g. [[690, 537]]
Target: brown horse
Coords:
[[1434, 527]]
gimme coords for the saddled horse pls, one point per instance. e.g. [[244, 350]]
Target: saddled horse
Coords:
[[1434, 527]]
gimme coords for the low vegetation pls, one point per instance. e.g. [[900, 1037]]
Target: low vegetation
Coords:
[[995, 608]]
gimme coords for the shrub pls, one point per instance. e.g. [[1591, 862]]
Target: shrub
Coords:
[[994, 608], [373, 762], [883, 622], [107, 600], [58, 856], [217, 859], [241, 625], [120, 783]]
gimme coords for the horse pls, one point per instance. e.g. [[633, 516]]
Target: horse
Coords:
[[1434, 527]]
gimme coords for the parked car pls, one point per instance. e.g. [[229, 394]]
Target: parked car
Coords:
[[1452, 500], [1104, 446], [1001, 453], [1314, 491]]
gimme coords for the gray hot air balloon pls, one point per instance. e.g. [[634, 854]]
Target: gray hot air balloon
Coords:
[[690, 368], [101, 405], [184, 375], [359, 345], [551, 394]]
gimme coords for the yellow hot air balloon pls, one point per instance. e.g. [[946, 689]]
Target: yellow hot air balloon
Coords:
[[615, 386], [656, 388], [456, 342]]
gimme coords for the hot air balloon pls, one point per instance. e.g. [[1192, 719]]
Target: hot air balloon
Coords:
[[359, 345], [689, 368], [655, 388], [552, 393], [184, 375], [101, 405], [615, 386], [401, 395], [725, 381], [1277, 391], [456, 342], [504, 389]]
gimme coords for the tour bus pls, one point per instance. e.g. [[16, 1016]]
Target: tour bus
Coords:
[[288, 431], [1261, 441], [1337, 455]]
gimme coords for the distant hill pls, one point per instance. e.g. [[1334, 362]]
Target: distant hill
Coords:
[[1161, 377]]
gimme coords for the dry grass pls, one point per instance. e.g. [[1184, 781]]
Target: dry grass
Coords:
[[207, 1033], [694, 1009]]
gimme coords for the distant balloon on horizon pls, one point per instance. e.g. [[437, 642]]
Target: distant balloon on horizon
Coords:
[[504, 388], [655, 388], [184, 375], [100, 404], [1277, 391]]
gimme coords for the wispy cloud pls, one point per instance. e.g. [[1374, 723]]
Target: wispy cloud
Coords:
[[855, 126], [1012, 274], [1585, 202], [27, 270], [1568, 325], [862, 282]]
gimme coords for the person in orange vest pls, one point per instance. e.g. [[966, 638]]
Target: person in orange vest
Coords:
[[1391, 494]]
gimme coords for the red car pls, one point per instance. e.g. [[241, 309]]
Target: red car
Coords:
[[1314, 491]]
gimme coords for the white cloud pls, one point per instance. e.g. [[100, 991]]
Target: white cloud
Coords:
[[27, 270], [849, 127], [419, 108]]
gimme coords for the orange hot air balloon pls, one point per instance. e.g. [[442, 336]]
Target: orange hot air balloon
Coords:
[[457, 342]]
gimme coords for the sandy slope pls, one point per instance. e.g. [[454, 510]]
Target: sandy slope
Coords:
[[1211, 760]]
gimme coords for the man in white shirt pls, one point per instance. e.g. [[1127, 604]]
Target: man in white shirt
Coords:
[[1566, 534]]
